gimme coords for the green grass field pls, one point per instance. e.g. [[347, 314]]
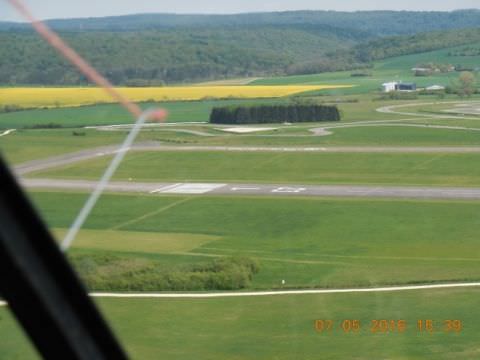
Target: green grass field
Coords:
[[435, 169], [283, 327], [307, 242]]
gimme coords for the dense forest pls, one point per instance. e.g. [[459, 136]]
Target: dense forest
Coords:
[[143, 50]]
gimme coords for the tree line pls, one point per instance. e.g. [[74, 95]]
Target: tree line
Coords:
[[265, 114], [375, 23]]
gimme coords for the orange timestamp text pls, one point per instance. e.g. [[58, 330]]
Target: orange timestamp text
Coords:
[[385, 326]]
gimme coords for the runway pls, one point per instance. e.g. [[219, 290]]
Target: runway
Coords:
[[273, 190]]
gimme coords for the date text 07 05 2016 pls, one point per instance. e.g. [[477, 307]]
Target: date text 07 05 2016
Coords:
[[379, 326]]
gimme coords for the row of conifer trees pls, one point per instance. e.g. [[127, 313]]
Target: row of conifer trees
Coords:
[[264, 114]]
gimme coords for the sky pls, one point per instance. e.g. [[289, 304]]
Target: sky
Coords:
[[48, 9]]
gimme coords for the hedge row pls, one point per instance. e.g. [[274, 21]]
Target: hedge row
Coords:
[[10, 108], [265, 114], [111, 273]]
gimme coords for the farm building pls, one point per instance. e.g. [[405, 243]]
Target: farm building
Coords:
[[406, 87], [389, 87], [398, 86]]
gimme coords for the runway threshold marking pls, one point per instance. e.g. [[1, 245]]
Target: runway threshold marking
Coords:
[[188, 188], [165, 188]]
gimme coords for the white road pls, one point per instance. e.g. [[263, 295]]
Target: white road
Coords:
[[393, 109], [6, 132], [282, 292], [229, 294]]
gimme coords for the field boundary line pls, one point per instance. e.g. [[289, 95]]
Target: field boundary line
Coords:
[[272, 259], [354, 256], [152, 213]]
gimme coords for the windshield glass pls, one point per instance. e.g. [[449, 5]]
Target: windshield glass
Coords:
[[274, 184]]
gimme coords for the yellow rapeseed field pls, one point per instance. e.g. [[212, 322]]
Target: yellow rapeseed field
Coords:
[[64, 97]]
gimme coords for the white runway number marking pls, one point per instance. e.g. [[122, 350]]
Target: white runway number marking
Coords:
[[288, 190], [245, 188]]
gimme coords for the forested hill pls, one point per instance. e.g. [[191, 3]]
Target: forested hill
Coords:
[[373, 23], [141, 50], [171, 56]]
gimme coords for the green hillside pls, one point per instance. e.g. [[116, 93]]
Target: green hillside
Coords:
[[164, 56]]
